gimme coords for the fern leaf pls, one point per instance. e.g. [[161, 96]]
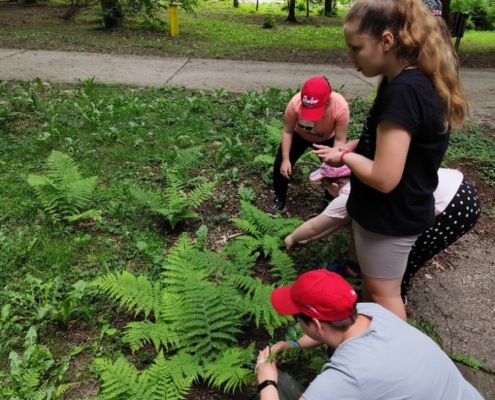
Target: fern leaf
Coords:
[[95, 215], [259, 306], [264, 159], [282, 267], [133, 292], [117, 379], [139, 333], [62, 190], [230, 370], [154, 200]]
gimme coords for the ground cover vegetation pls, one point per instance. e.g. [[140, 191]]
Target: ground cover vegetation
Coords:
[[217, 30], [135, 260]]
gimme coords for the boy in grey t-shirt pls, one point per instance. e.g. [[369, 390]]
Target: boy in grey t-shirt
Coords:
[[377, 355]]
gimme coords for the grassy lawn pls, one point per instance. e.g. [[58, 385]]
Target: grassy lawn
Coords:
[[153, 138], [218, 31]]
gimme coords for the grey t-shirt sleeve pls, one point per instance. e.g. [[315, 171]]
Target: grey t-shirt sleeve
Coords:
[[333, 383]]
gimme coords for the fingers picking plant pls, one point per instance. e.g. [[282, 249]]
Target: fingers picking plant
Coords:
[[62, 190]]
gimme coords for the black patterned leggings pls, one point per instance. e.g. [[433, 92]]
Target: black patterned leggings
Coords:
[[456, 220]]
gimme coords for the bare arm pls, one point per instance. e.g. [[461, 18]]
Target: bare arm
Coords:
[[315, 227], [340, 136], [333, 229], [385, 171], [287, 134]]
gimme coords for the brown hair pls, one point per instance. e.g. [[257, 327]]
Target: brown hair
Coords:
[[342, 325], [421, 40]]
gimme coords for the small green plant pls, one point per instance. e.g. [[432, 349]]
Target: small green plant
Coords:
[[467, 360], [46, 300], [34, 374], [6, 324], [246, 193], [63, 191], [269, 22], [428, 328]]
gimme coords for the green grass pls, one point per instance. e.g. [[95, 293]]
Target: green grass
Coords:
[[478, 42]]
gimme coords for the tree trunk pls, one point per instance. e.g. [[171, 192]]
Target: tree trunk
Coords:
[[307, 8], [292, 11], [328, 8], [257, 4], [113, 16], [236, 3], [446, 12]]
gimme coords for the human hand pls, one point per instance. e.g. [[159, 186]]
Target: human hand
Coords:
[[289, 242], [286, 169], [329, 155], [266, 369], [281, 346]]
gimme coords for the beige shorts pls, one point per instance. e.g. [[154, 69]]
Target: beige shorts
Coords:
[[380, 256]]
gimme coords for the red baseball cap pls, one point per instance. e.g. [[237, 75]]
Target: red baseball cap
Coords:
[[319, 294], [314, 96]]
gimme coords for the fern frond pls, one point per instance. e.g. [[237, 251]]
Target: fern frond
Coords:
[[282, 267], [230, 369], [152, 199], [62, 190], [184, 365], [158, 383], [183, 160], [259, 306], [200, 194], [95, 215], [61, 168], [117, 379], [61, 389], [264, 159], [246, 226], [209, 320], [133, 292], [139, 333]]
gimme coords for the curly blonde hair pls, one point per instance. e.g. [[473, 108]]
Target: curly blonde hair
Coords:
[[422, 40]]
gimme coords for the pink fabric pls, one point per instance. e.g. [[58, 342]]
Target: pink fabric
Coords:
[[336, 115]]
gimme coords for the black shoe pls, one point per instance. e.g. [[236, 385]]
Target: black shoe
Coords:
[[277, 207]]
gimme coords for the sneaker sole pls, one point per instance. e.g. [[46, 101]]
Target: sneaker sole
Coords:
[[277, 213]]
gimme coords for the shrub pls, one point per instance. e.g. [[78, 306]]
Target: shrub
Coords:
[[269, 22]]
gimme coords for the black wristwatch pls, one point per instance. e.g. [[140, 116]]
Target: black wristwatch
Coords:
[[266, 383]]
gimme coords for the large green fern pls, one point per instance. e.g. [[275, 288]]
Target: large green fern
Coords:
[[62, 190], [200, 304]]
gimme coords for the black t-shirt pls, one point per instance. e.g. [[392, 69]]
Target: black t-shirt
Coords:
[[410, 100]]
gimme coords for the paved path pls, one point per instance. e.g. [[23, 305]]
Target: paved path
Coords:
[[237, 76], [459, 302]]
